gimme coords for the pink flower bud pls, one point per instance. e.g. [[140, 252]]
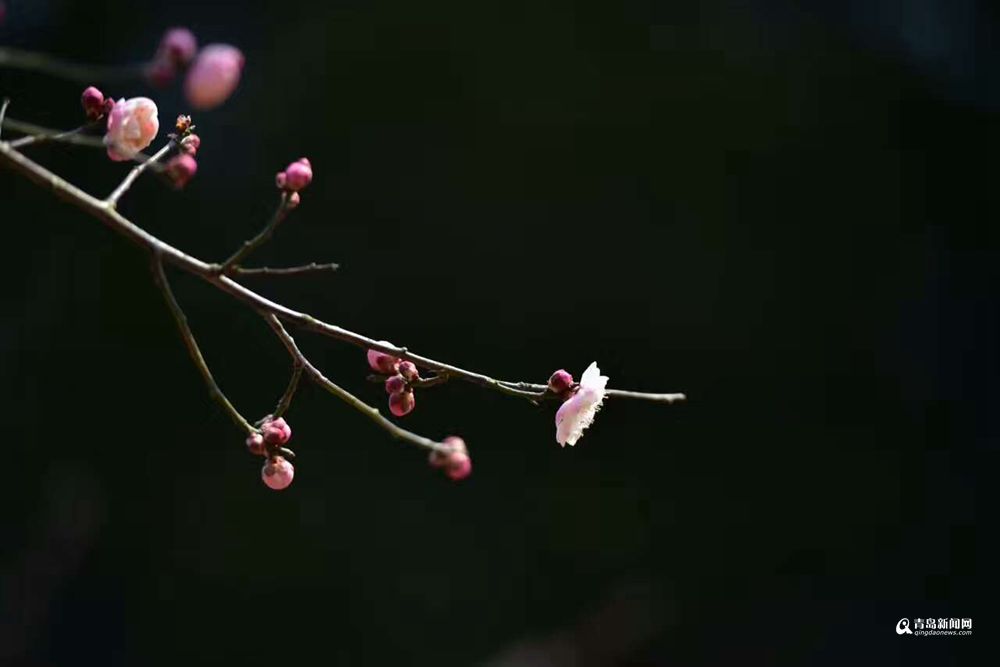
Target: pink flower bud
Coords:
[[160, 73], [402, 403], [560, 381], [179, 46], [280, 179], [409, 371], [190, 144], [298, 175], [276, 432], [213, 76], [93, 103], [386, 364], [293, 201], [277, 473], [459, 467], [181, 169], [456, 463], [132, 125], [255, 444], [395, 384]]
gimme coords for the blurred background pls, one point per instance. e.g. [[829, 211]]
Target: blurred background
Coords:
[[786, 211]]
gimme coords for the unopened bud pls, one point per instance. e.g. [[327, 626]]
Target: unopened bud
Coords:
[[402, 403]]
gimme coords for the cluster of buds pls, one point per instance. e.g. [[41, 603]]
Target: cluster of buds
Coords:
[[181, 168], [270, 442], [455, 463], [213, 72], [399, 384], [295, 177], [401, 378]]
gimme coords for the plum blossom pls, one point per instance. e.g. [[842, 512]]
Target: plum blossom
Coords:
[[132, 126], [577, 413]]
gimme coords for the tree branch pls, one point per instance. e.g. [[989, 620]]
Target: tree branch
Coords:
[[85, 74], [305, 269], [160, 278], [346, 396], [210, 273], [42, 138], [136, 172], [3, 113], [286, 399], [252, 244]]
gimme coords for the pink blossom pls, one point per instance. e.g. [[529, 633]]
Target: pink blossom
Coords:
[[132, 125], [402, 403], [181, 169], [276, 431], [213, 76], [277, 473], [577, 413]]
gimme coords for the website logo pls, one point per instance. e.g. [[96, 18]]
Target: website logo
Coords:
[[932, 627]]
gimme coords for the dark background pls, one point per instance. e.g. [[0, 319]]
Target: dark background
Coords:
[[787, 212]]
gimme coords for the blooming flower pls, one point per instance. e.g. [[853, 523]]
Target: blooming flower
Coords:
[[213, 76], [132, 125], [577, 413]]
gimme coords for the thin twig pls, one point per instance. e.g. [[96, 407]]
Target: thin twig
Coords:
[[609, 393], [42, 138], [346, 396], [286, 398], [305, 269], [3, 113], [53, 134], [136, 172], [160, 278], [252, 244], [209, 272], [85, 74]]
